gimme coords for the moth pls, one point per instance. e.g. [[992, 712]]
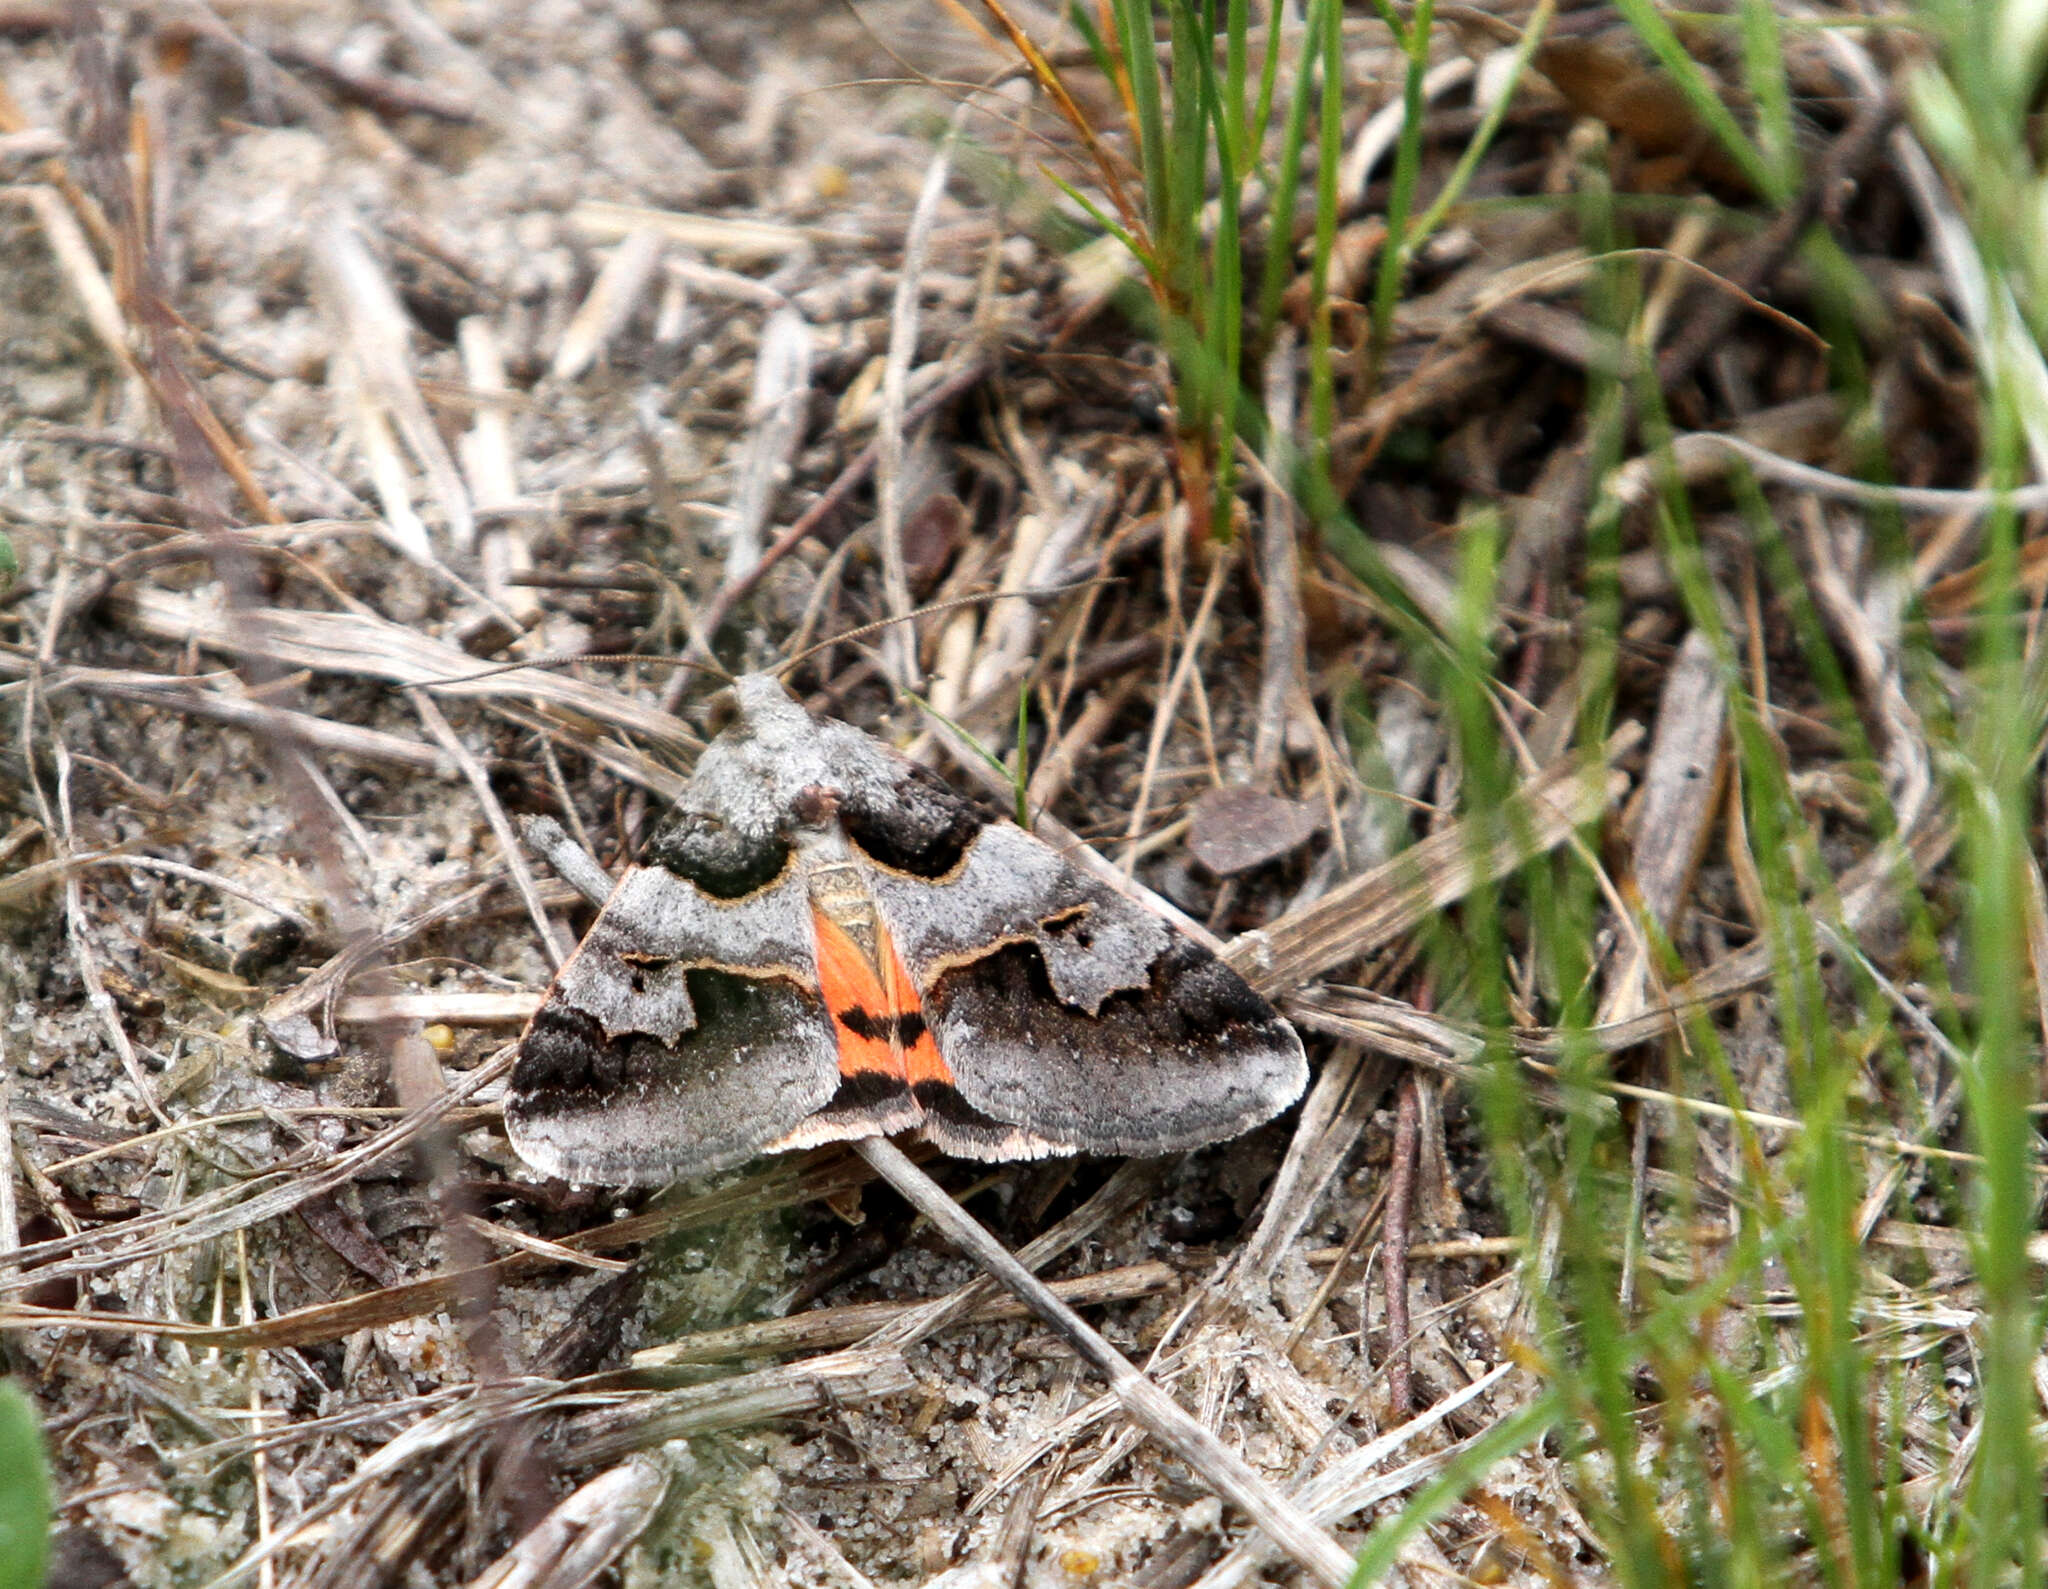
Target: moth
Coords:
[[824, 941]]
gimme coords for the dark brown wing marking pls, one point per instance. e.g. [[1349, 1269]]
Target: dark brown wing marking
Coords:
[[632, 1110], [1191, 1058]]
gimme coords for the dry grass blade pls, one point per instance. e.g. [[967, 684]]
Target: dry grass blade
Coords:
[[782, 1187], [504, 549], [446, 1009], [1332, 1119], [351, 741], [1537, 365], [1377, 906], [1669, 820], [1118, 1196], [778, 412], [1391, 1026], [1283, 633], [865, 1373], [822, 1328], [900, 642], [300, 1020], [75, 257], [1356, 1482], [509, 846], [1169, 702], [363, 646], [235, 1208], [735, 239], [609, 303]]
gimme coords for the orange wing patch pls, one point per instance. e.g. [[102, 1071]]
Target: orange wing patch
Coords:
[[879, 1021], [922, 1061]]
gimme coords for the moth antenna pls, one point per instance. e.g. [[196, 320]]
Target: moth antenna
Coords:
[[563, 658], [847, 636]]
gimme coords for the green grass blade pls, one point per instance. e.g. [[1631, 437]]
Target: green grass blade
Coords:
[[1482, 137], [1188, 165], [1223, 312], [2004, 1505], [1407, 169], [1269, 76], [1236, 37], [1485, 1451], [1763, 62], [1330, 152], [1141, 75], [966, 738], [1098, 47], [24, 1493], [1671, 54], [1139, 251], [1279, 260]]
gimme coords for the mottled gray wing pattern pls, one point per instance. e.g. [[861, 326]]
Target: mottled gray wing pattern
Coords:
[[1072, 1018], [681, 1037]]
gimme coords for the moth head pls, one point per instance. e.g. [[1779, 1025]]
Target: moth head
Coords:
[[815, 806], [762, 699]]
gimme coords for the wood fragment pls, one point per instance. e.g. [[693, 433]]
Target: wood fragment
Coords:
[[1668, 826], [385, 94], [739, 240], [504, 549], [588, 1531], [609, 304], [899, 642], [372, 352], [1283, 632], [1394, 1271]]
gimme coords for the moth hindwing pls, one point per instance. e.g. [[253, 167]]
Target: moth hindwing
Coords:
[[824, 941]]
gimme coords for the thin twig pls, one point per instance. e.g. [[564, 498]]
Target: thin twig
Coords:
[[962, 379], [1225, 1472], [1400, 1205], [901, 642], [1169, 703], [501, 825], [1283, 645]]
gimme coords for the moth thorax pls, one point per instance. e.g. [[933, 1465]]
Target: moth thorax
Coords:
[[839, 895]]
